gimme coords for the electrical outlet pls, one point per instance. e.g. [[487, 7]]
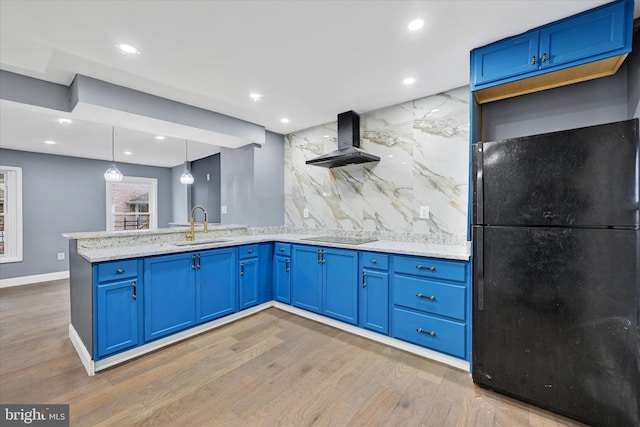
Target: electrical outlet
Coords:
[[424, 212], [60, 256], [208, 177], [305, 213], [223, 210]]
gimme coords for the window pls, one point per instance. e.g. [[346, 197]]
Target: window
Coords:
[[132, 204], [10, 214]]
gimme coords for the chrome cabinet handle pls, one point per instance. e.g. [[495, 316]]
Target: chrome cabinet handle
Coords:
[[322, 261], [422, 331], [199, 265], [364, 275], [421, 267], [242, 268], [544, 58], [250, 251], [281, 249], [533, 60], [193, 266], [119, 271], [286, 264], [430, 297], [373, 261], [135, 291]]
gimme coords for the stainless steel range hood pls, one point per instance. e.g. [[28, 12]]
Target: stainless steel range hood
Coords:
[[348, 151]]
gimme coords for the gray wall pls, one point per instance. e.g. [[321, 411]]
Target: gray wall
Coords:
[[180, 197], [588, 103], [206, 192], [269, 182], [66, 194], [252, 183]]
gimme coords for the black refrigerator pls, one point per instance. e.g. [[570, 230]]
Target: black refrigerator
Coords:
[[555, 289]]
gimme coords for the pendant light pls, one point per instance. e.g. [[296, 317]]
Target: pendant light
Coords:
[[113, 174], [186, 177]]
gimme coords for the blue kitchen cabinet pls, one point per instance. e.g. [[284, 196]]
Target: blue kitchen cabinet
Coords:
[[340, 284], [248, 282], [594, 35], [324, 280], [282, 273], [374, 292], [431, 303], [170, 294], [306, 277], [254, 274], [118, 321], [216, 285]]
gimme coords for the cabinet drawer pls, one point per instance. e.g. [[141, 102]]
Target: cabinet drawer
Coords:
[[114, 270], [438, 334], [248, 251], [282, 249], [430, 267], [429, 296], [374, 260]]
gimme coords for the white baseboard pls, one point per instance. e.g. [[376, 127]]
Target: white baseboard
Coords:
[[163, 342], [383, 339], [37, 278], [82, 351]]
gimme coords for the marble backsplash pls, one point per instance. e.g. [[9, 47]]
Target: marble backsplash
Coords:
[[424, 150]]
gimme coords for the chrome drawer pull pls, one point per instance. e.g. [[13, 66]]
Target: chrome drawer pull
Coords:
[[250, 251], [281, 249], [422, 331], [421, 267], [119, 271], [373, 261], [430, 297]]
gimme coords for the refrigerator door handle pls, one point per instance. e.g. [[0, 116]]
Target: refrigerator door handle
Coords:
[[479, 210], [478, 242]]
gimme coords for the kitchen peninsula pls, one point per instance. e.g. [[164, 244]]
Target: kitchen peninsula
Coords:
[[136, 292]]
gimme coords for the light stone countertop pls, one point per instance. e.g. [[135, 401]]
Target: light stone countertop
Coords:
[[145, 249]]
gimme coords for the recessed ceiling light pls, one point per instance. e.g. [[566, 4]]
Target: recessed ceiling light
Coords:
[[416, 24], [127, 48], [50, 142], [284, 120], [127, 153], [409, 81], [325, 136], [159, 137], [65, 121], [255, 96]]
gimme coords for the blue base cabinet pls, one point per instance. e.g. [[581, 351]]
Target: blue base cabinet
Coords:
[[374, 292], [282, 273], [170, 294], [255, 270], [340, 284], [431, 304], [216, 292], [324, 281], [118, 315]]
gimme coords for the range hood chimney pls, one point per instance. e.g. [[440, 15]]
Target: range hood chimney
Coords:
[[348, 152]]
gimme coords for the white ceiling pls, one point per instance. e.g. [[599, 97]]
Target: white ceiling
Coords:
[[310, 59]]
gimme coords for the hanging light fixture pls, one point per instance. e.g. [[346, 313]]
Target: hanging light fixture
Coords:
[[113, 174], [186, 177]]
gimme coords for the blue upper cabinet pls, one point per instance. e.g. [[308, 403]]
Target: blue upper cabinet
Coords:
[[507, 58], [596, 41]]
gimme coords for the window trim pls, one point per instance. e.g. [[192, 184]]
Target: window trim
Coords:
[[13, 244], [153, 200]]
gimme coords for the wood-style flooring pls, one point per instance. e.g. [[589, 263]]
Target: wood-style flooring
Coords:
[[270, 369]]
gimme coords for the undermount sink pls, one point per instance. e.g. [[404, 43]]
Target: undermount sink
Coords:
[[199, 242]]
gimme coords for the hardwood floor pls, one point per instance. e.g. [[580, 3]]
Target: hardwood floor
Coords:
[[273, 368]]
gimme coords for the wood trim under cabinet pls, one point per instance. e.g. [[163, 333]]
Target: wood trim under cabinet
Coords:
[[567, 76]]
